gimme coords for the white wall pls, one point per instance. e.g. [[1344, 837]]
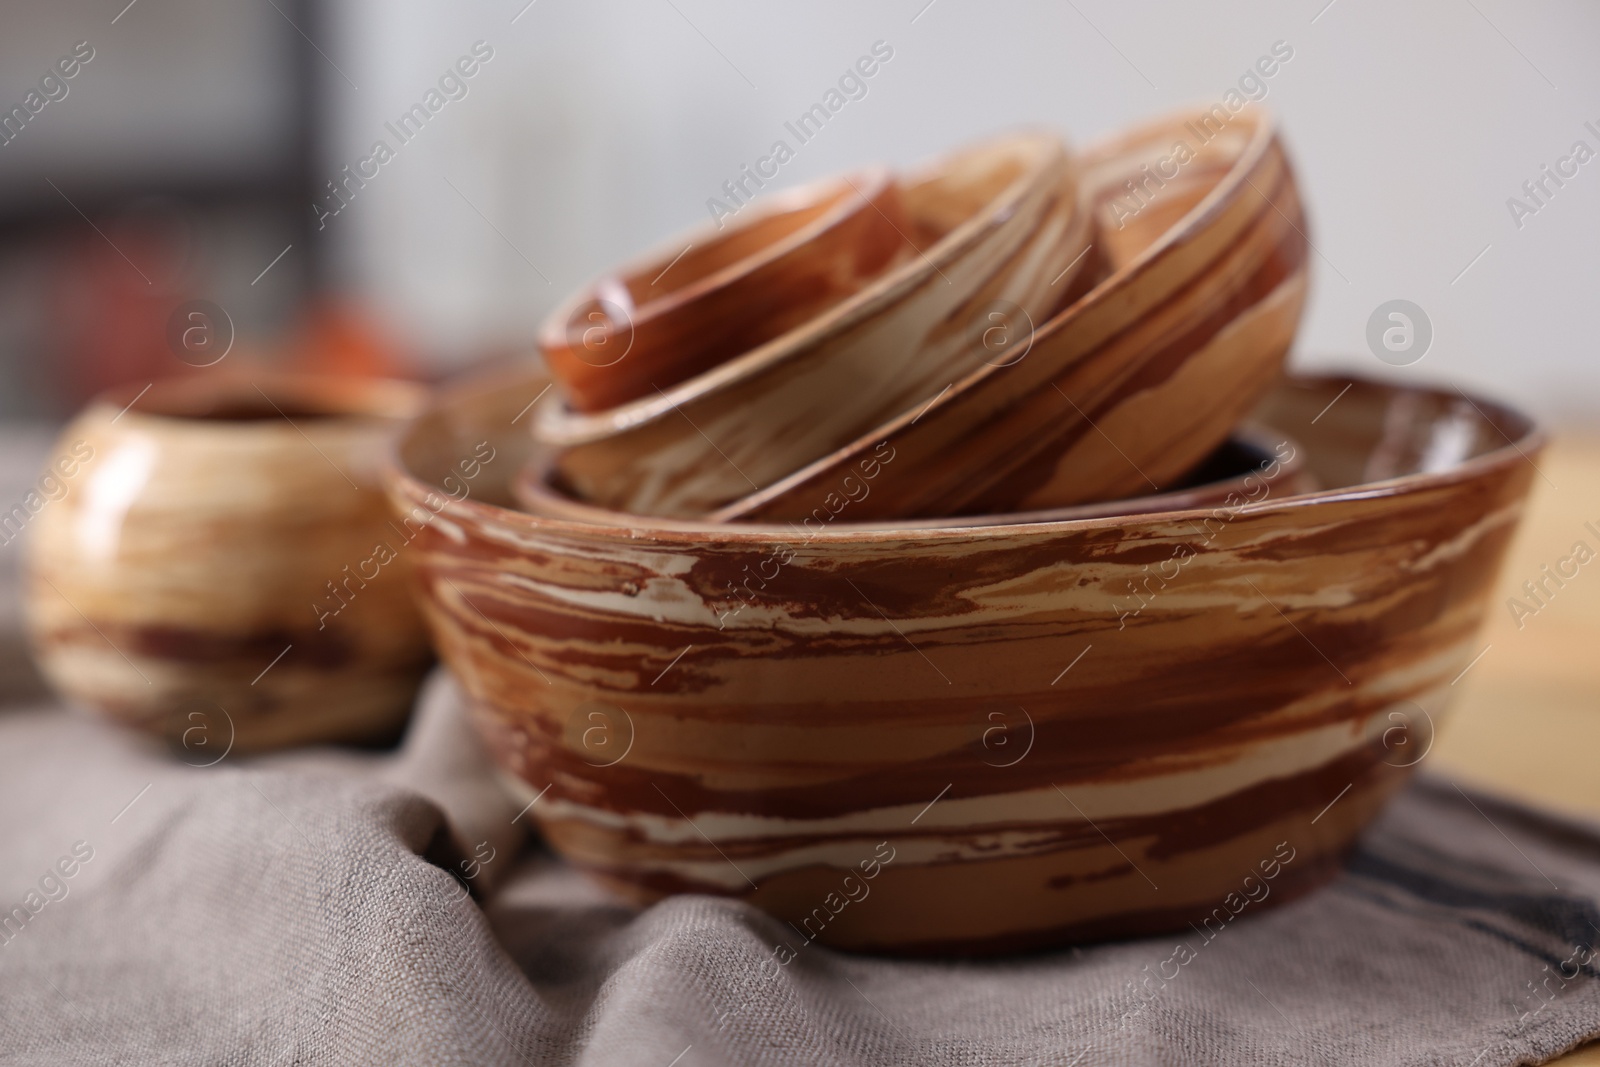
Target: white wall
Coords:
[[599, 128]]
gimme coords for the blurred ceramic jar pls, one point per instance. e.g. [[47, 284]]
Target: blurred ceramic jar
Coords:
[[222, 568]]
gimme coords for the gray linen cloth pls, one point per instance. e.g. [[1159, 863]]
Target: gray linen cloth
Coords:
[[301, 910]]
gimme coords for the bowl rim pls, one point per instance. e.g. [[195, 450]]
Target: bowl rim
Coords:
[[832, 191], [400, 482], [1039, 151], [336, 399]]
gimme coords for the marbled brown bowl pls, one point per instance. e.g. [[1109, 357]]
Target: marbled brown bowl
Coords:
[[1130, 386], [983, 738], [723, 289], [210, 574], [995, 226], [1250, 466]]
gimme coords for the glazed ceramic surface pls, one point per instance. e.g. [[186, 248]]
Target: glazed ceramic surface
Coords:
[[1252, 464], [984, 738], [1130, 387], [713, 293], [996, 231], [222, 568]]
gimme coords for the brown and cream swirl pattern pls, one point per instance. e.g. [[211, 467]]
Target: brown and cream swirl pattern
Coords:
[[1028, 733]]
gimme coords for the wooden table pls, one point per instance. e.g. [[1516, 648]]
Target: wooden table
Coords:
[[1526, 722]]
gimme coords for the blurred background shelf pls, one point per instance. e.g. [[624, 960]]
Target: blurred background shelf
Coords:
[[186, 160]]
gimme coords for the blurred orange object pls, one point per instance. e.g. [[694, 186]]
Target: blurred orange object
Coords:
[[337, 336]]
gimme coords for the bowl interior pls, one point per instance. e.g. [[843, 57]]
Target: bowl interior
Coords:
[[739, 244], [1167, 182], [1361, 432], [266, 397], [1355, 432], [941, 199]]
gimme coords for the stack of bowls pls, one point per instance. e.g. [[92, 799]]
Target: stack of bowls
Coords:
[[866, 625], [998, 226]]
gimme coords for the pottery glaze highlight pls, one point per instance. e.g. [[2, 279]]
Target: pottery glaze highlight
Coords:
[[1059, 731], [217, 566]]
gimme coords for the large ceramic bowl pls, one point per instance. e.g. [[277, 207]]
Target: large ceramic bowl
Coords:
[[996, 229], [984, 738]]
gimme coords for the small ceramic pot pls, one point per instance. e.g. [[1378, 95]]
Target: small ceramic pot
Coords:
[[1134, 384], [983, 738], [1253, 464], [710, 294], [223, 569], [999, 240]]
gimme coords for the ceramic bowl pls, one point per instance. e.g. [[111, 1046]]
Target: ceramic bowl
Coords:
[[1252, 464], [221, 568], [982, 738], [723, 289], [996, 231], [1134, 384]]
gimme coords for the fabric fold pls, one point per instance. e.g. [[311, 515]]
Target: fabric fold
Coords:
[[358, 907]]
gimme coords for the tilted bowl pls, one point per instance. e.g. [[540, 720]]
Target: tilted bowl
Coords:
[[1132, 385], [984, 738], [723, 289], [998, 230]]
